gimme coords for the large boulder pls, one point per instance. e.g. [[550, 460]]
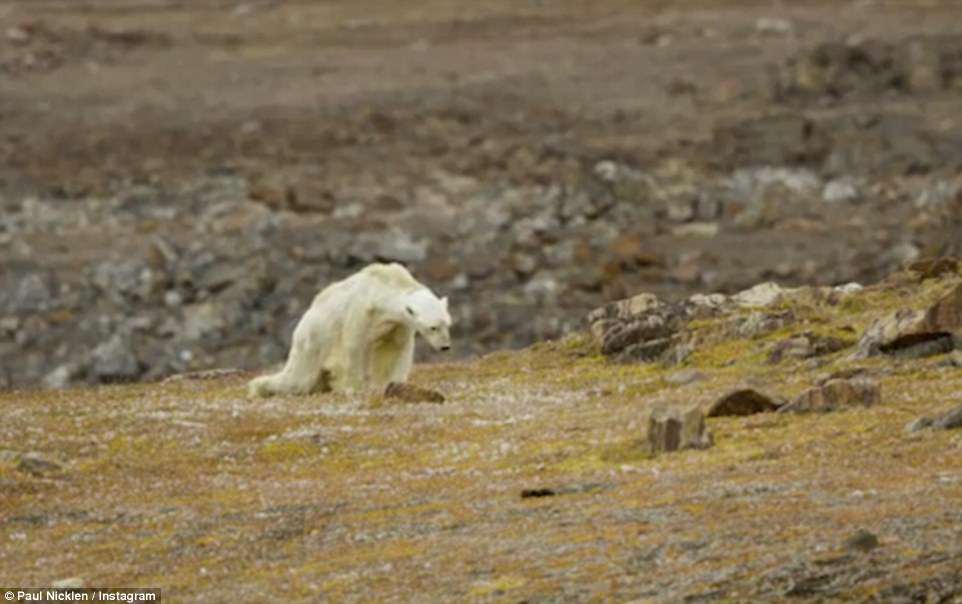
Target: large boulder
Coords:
[[916, 333], [645, 328], [836, 394]]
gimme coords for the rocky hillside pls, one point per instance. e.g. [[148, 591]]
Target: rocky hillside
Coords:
[[177, 212], [775, 445]]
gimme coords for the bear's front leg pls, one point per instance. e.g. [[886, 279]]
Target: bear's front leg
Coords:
[[404, 360], [357, 353]]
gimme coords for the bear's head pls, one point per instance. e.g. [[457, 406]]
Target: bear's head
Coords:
[[428, 315]]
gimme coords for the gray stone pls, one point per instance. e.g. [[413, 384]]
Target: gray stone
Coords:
[[63, 375], [703, 230], [774, 25], [919, 424], [204, 319], [836, 394], [684, 377], [805, 346], [953, 360], [760, 323], [673, 429], [127, 279], [840, 190], [763, 294], [36, 465], [949, 420], [32, 293], [862, 540], [115, 360]]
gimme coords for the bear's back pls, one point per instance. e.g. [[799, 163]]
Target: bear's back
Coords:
[[392, 275], [375, 281]]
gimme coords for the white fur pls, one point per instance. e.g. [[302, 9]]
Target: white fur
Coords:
[[359, 333]]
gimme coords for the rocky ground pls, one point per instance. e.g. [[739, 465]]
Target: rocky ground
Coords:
[[178, 179], [805, 447]]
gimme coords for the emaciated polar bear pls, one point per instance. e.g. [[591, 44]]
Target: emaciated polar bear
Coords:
[[359, 333]]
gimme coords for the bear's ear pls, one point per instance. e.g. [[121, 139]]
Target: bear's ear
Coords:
[[444, 301], [410, 310]]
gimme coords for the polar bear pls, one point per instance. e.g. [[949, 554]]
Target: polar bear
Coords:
[[359, 333]]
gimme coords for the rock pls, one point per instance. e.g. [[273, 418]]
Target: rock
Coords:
[[38, 466], [922, 65], [535, 493], [741, 402], [836, 394], [805, 346], [681, 210], [703, 230], [919, 64], [684, 377], [933, 268], [632, 321], [126, 280], [409, 393], [840, 190], [949, 420], [388, 246], [755, 182], [173, 298], [862, 540], [954, 359], [773, 25], [780, 139], [913, 334], [673, 429], [646, 351], [203, 319], [573, 489], [115, 360], [946, 314], [646, 328], [760, 323], [902, 254], [63, 375], [918, 424], [220, 274], [848, 288], [640, 331], [33, 292], [763, 294]]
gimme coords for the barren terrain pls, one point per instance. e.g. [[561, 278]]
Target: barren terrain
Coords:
[[530, 483], [179, 178]]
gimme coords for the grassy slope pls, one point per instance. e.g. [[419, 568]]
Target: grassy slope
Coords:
[[217, 498]]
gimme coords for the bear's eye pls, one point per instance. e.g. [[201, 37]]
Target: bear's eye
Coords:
[[434, 329], [410, 311]]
